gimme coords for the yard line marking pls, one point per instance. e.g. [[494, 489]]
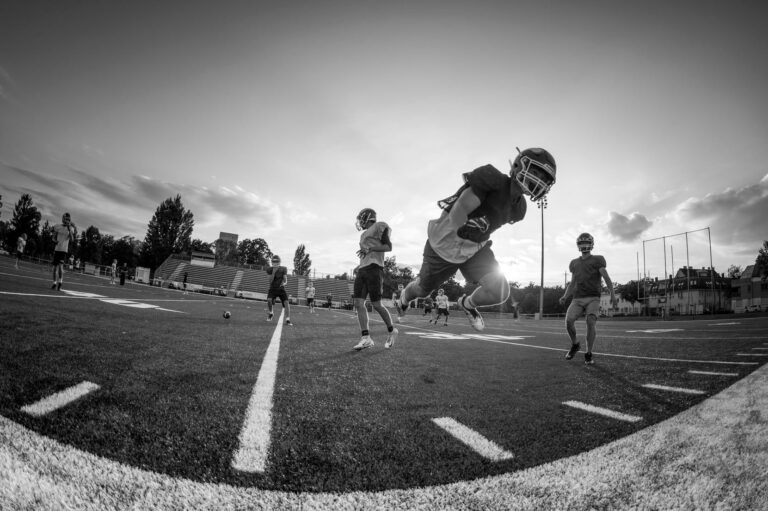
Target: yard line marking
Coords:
[[713, 373], [474, 440], [752, 354], [59, 399], [255, 436], [673, 389], [760, 348], [603, 411]]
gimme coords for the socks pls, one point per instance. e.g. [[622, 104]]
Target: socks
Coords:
[[365, 332]]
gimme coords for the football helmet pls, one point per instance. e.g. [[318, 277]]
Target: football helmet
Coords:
[[585, 242], [364, 218], [276, 260], [534, 169]]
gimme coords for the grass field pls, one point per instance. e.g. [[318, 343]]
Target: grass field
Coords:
[[152, 382]]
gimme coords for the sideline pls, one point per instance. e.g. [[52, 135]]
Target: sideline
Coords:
[[712, 455]]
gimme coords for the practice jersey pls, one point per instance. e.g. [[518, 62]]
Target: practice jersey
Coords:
[[442, 301], [20, 244], [375, 234], [62, 235], [586, 276], [501, 202], [310, 292], [278, 276]]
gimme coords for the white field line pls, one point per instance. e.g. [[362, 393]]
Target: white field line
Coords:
[[603, 411], [712, 373], [474, 440], [760, 348], [673, 389], [59, 399], [255, 436], [752, 354]]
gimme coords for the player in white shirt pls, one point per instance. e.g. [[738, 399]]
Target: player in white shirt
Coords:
[[63, 234], [310, 293], [442, 306]]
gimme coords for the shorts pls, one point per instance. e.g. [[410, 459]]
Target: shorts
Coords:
[[427, 310], [583, 307], [369, 282], [278, 293], [59, 257], [310, 301], [442, 312], [435, 270]]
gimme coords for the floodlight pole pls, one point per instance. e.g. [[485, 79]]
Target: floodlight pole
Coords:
[[542, 205]]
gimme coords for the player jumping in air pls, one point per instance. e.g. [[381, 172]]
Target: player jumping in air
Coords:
[[586, 273], [460, 238], [277, 289], [369, 275]]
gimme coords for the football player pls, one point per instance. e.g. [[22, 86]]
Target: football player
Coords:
[[310, 294], [396, 296], [460, 238], [428, 304], [442, 306], [586, 273], [369, 275], [63, 233], [277, 289]]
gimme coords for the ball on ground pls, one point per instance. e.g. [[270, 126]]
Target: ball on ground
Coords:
[[227, 314]]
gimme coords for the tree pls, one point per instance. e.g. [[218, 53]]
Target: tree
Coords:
[[199, 245], [301, 261], [90, 246], [394, 276], [735, 271], [123, 250], [47, 241], [169, 232], [250, 252], [762, 260], [26, 219]]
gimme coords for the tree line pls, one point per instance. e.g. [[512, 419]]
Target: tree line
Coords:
[[169, 231]]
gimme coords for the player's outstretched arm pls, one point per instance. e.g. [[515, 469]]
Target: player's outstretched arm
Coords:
[[467, 202]]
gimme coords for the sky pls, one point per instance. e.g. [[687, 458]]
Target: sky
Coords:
[[282, 120]]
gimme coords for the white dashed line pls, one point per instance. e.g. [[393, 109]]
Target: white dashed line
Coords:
[[603, 411], [712, 373], [752, 354], [59, 399], [255, 436], [474, 440], [673, 389]]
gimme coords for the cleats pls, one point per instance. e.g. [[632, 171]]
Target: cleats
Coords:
[[391, 338], [288, 322], [474, 317], [53, 286], [269, 316], [574, 349], [58, 286], [365, 342], [588, 359]]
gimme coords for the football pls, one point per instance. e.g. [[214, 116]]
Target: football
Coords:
[[227, 314]]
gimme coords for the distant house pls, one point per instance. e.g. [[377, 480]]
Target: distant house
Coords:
[[751, 288], [689, 291]]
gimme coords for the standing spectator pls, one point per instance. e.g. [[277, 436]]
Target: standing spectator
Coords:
[[20, 244], [329, 300], [310, 293], [63, 233], [114, 272], [184, 283], [123, 273]]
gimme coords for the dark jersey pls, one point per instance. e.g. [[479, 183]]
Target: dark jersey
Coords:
[[501, 202], [278, 274], [586, 276]]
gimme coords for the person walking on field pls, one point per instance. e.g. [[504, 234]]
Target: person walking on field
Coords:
[[63, 233], [460, 238], [586, 273], [20, 244], [369, 275]]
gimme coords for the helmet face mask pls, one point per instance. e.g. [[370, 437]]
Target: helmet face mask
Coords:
[[276, 260], [534, 169], [585, 242], [365, 218]]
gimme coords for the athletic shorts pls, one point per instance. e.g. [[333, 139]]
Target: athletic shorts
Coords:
[[583, 307], [427, 310], [435, 270], [369, 282], [310, 301], [278, 294], [59, 257], [442, 312]]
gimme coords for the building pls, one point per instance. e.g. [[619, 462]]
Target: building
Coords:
[[690, 291], [749, 289]]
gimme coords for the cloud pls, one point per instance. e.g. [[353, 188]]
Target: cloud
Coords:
[[627, 228], [735, 215]]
